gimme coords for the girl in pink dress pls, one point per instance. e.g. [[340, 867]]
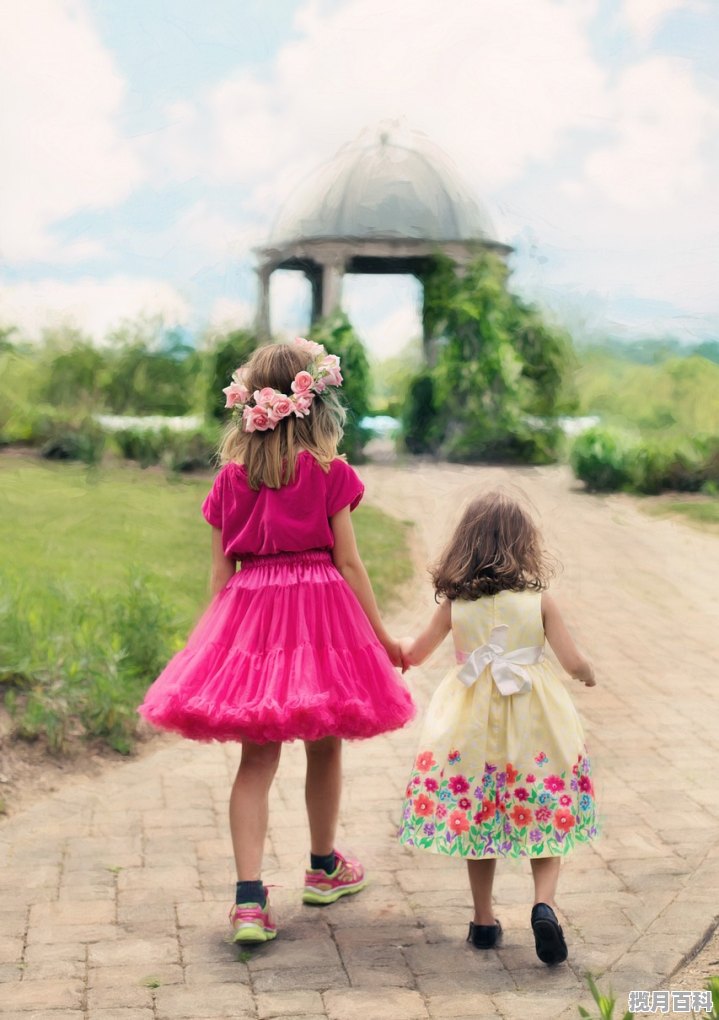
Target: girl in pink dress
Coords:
[[292, 645]]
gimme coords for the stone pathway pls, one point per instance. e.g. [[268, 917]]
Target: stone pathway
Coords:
[[114, 891]]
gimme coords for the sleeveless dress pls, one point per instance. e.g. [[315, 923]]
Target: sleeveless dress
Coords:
[[502, 768], [284, 651]]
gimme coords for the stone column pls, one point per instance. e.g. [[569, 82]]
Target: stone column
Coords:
[[313, 273], [327, 289], [332, 276], [262, 321]]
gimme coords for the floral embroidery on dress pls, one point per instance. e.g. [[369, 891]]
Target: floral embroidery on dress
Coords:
[[501, 813]]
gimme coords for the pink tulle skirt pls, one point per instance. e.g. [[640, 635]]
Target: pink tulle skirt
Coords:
[[284, 652]]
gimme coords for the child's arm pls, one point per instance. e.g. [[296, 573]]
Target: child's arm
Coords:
[[223, 568], [346, 557], [563, 645], [416, 650]]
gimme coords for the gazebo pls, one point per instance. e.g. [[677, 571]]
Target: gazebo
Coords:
[[386, 203]]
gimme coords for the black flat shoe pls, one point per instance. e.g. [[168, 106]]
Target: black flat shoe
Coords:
[[548, 935], [484, 936]]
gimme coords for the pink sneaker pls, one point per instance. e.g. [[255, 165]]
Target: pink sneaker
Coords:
[[321, 887], [253, 923]]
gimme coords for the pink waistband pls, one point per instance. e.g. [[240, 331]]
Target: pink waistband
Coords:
[[272, 559]]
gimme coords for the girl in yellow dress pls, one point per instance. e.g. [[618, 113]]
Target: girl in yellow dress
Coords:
[[502, 768]]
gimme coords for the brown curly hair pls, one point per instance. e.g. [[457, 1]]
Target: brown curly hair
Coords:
[[496, 547]]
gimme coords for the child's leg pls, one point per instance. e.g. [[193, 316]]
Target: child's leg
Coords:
[[323, 788], [545, 872], [481, 880], [249, 806]]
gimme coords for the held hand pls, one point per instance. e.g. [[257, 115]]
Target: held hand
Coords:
[[587, 677], [393, 650], [405, 646]]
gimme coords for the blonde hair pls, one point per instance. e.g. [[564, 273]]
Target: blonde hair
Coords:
[[270, 457], [495, 547]]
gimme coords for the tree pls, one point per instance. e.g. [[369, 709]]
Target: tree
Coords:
[[338, 336], [151, 369], [73, 369], [497, 365], [224, 353]]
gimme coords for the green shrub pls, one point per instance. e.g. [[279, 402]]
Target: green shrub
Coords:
[[78, 666], [605, 1003], [192, 451], [607, 460], [83, 441], [420, 424], [647, 466], [525, 444], [697, 464], [712, 985], [178, 450], [19, 395], [139, 620], [25, 424], [144, 445], [600, 458]]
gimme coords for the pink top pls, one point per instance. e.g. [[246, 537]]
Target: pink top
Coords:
[[294, 518]]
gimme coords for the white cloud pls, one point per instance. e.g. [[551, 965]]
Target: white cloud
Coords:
[[230, 313], [661, 122], [94, 306], [645, 16], [62, 149], [211, 234], [495, 85], [637, 221], [611, 171]]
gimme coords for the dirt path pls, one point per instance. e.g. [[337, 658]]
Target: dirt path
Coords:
[[113, 891]]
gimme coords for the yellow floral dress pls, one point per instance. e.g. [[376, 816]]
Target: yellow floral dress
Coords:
[[502, 768]]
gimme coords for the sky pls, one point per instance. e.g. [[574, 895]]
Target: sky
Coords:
[[149, 145]]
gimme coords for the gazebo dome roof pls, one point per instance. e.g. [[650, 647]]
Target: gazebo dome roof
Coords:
[[387, 184]]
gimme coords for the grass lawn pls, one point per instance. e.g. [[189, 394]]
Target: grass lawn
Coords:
[[701, 511], [103, 571]]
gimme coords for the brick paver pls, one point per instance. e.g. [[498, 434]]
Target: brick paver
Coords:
[[114, 891]]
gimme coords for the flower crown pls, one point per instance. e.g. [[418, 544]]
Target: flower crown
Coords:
[[271, 406]]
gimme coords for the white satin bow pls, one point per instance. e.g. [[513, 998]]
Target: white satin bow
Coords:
[[506, 667]]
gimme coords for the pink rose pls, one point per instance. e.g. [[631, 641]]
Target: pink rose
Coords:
[[329, 369], [235, 394], [264, 396], [238, 379], [310, 347], [303, 403], [256, 419], [281, 408], [302, 382]]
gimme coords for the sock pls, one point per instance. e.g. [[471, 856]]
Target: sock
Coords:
[[326, 862], [251, 892]]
